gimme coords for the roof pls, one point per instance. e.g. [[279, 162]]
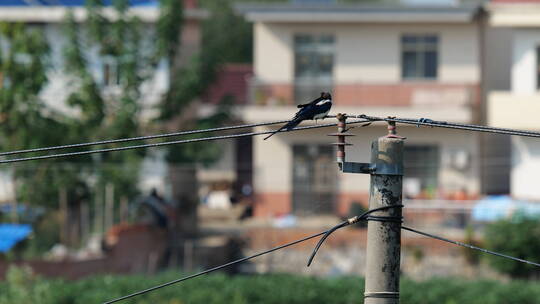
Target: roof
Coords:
[[387, 12], [11, 234], [70, 2], [53, 11]]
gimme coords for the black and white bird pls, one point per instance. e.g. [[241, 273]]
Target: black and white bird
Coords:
[[317, 109]]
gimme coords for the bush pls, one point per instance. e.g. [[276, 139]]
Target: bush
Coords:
[[23, 287], [518, 237]]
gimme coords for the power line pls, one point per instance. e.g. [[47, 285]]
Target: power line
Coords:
[[183, 141], [352, 220], [417, 122], [440, 238], [326, 234], [450, 125], [215, 268], [122, 140]]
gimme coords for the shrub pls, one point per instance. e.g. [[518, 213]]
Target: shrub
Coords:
[[518, 237], [23, 287]]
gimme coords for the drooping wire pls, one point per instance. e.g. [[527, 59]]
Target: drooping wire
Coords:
[[175, 142], [440, 238], [215, 268], [450, 125], [417, 122], [346, 223], [156, 136], [365, 216]]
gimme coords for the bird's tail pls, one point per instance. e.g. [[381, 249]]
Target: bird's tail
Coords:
[[288, 126]]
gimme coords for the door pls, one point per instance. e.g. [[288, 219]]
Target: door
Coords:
[[314, 180]]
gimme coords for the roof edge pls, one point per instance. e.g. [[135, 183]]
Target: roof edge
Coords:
[[56, 14], [331, 13]]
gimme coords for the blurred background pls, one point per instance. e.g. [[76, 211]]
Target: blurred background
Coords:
[[75, 71]]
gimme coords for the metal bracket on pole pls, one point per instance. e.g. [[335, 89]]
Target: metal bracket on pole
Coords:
[[362, 168], [384, 228]]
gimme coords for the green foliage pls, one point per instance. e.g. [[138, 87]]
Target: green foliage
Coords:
[[113, 111], [191, 80], [471, 256], [519, 237], [22, 287], [25, 121]]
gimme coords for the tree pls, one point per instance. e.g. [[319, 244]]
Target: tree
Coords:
[[110, 107], [26, 122], [518, 236], [131, 53]]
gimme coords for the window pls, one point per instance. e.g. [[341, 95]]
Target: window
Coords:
[[419, 56], [421, 165], [314, 56], [313, 65], [314, 179], [111, 72]]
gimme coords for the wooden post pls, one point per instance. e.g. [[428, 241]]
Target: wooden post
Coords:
[[98, 212], [63, 204], [109, 206]]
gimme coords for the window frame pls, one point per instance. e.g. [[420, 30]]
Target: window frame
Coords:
[[112, 65], [423, 162], [316, 47], [420, 49]]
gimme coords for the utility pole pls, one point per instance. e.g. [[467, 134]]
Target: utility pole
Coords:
[[384, 236], [384, 226]]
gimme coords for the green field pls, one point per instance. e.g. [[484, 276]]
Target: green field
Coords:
[[22, 288]]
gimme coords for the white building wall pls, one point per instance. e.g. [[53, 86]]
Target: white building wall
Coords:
[[273, 158], [517, 109], [367, 53], [524, 60], [60, 86], [525, 175], [272, 163], [272, 56]]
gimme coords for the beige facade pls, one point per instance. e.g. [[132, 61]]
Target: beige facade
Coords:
[[366, 79], [274, 164], [516, 104], [367, 53]]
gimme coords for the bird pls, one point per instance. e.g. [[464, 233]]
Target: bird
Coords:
[[317, 109]]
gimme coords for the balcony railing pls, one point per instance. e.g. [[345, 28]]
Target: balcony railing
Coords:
[[403, 94]]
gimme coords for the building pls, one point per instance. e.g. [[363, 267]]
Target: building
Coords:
[[404, 60], [514, 100], [49, 16]]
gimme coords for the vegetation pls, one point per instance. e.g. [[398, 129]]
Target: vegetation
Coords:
[[25, 121], [518, 236], [22, 287]]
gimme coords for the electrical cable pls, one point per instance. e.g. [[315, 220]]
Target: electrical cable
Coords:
[[121, 140], [449, 125], [417, 122], [352, 220], [214, 269], [183, 141], [440, 238]]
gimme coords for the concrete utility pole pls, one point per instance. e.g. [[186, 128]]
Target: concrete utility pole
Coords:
[[384, 226], [384, 235]]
